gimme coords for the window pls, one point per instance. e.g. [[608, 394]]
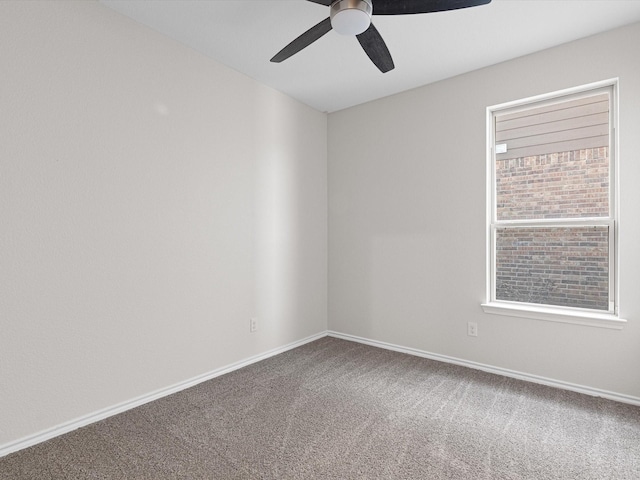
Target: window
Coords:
[[552, 220]]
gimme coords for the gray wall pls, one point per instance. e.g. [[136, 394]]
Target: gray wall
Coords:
[[407, 220], [151, 203]]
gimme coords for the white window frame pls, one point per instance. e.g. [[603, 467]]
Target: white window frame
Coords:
[[581, 316]]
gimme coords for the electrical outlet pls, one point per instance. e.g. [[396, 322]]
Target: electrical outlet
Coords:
[[472, 329], [253, 325]]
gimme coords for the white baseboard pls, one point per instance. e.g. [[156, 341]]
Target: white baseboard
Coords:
[[85, 420], [595, 392], [136, 402]]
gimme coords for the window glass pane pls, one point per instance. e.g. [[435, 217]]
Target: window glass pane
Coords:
[[564, 266], [570, 184]]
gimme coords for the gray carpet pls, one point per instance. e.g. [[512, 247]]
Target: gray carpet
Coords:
[[334, 409]]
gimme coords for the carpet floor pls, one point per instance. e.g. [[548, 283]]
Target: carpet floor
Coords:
[[334, 409]]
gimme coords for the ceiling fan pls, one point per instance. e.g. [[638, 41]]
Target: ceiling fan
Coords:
[[353, 17]]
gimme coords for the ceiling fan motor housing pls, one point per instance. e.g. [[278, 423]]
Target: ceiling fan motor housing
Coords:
[[351, 17]]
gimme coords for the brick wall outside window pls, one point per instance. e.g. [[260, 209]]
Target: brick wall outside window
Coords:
[[565, 266], [565, 184]]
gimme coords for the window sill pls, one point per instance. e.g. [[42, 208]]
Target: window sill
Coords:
[[602, 320]]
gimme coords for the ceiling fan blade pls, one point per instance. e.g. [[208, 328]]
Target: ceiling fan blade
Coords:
[[322, 2], [304, 40], [406, 7], [374, 46]]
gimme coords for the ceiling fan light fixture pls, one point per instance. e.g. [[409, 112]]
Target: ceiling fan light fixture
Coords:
[[351, 17]]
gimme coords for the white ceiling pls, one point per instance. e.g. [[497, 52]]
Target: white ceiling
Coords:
[[334, 73]]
